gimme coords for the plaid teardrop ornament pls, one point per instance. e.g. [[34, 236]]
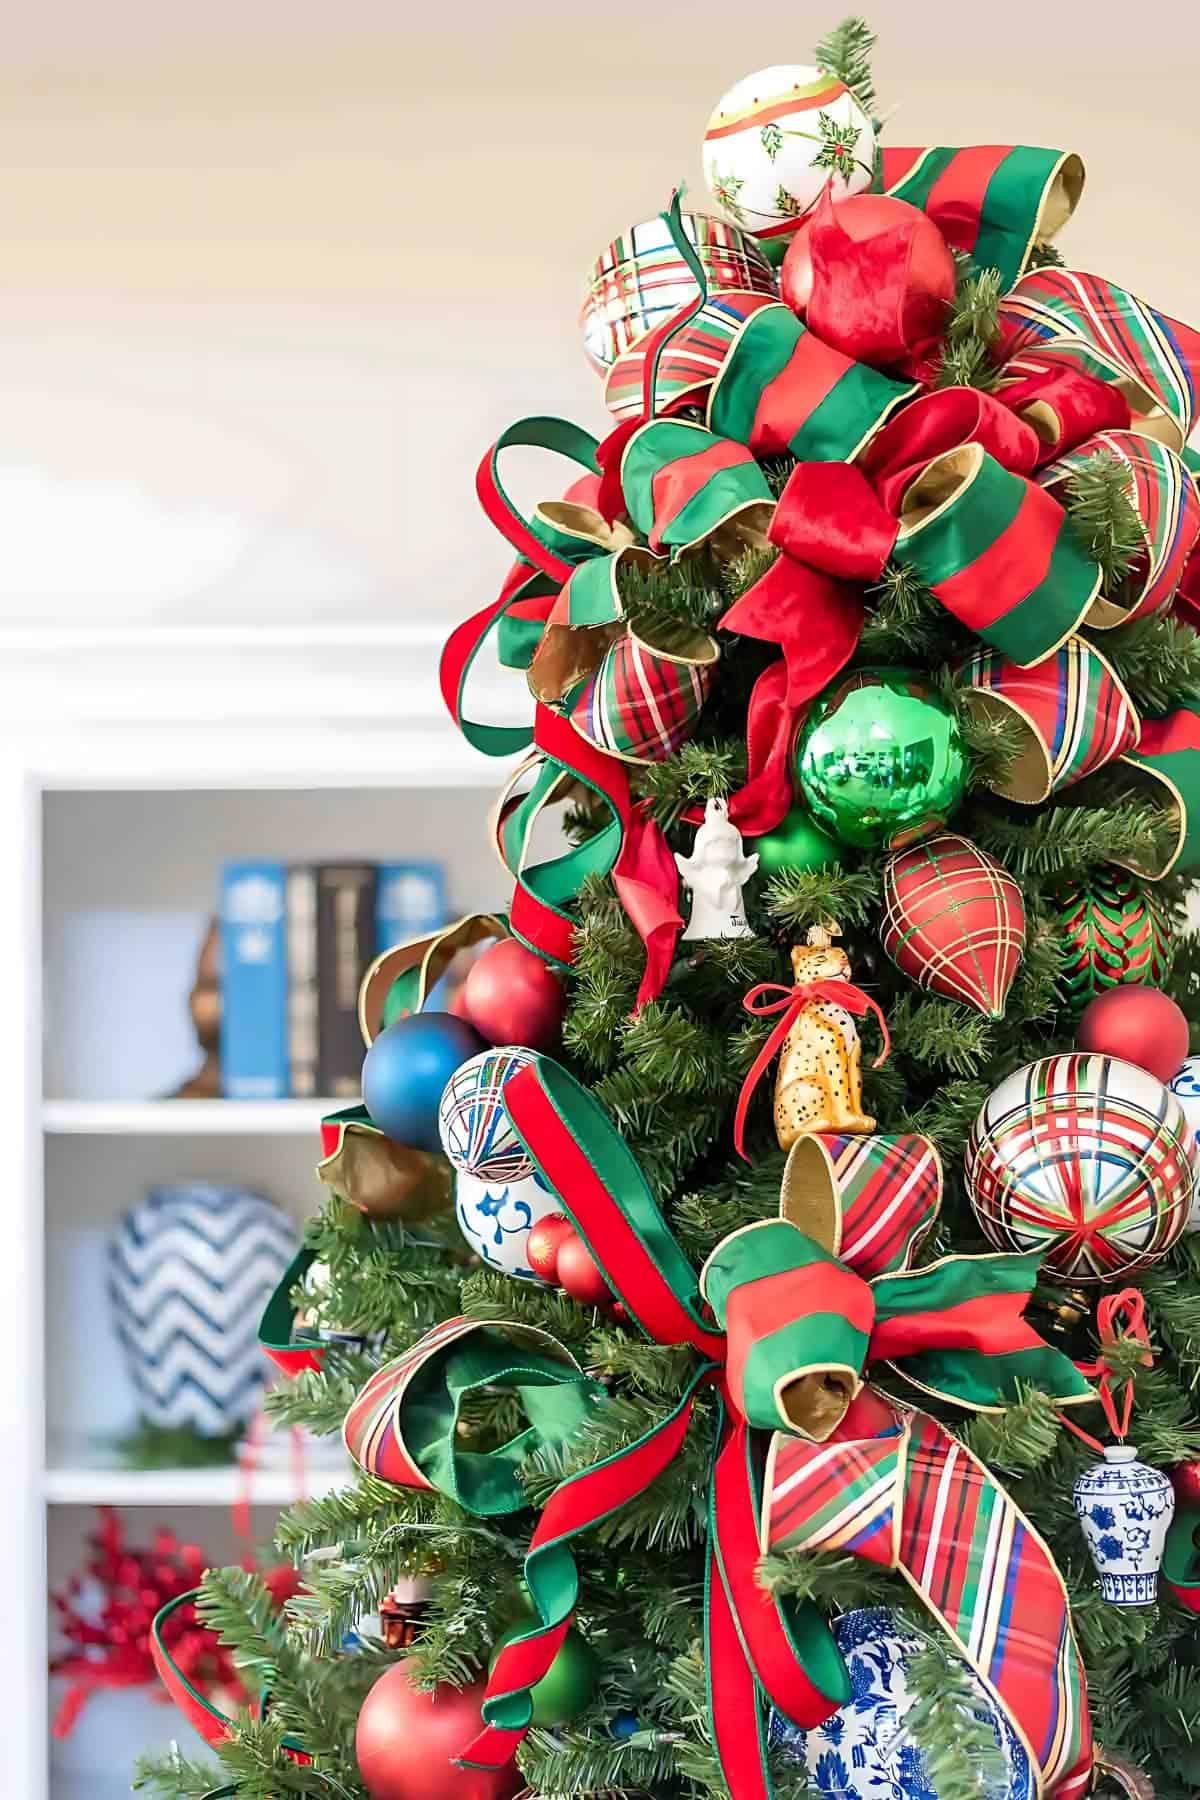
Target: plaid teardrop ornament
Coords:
[[954, 921]]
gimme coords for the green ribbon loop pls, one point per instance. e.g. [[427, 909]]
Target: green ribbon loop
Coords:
[[555, 1397]]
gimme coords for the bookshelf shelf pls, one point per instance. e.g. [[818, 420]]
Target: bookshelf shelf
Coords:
[[96, 1485], [186, 1118]]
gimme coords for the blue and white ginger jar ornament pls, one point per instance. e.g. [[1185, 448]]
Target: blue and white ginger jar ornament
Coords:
[[190, 1270], [1125, 1508], [496, 1218], [864, 1751], [1186, 1088]]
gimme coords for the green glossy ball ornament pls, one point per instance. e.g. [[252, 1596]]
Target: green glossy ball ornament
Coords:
[[569, 1683], [881, 760], [797, 842]]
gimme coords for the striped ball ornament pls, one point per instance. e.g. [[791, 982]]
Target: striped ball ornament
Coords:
[[476, 1131], [1087, 1159], [954, 921], [1117, 933]]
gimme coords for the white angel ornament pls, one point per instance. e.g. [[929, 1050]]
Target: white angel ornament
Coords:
[[716, 872]]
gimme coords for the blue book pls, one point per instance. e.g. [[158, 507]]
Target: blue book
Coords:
[[254, 981], [410, 899]]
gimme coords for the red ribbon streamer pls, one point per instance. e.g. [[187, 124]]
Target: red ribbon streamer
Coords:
[[1117, 1315], [790, 1003]]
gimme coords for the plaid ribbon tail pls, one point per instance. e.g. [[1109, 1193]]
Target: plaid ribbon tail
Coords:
[[897, 1489]]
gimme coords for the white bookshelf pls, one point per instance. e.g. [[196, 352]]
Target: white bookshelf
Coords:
[[133, 764], [186, 1118]]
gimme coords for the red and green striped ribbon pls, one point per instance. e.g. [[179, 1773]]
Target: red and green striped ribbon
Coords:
[[995, 202], [782, 391], [998, 552], [1163, 494], [1167, 765], [682, 483], [541, 915], [896, 1489], [1105, 330], [956, 1328]]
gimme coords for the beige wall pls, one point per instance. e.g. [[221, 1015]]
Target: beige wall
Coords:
[[274, 272]]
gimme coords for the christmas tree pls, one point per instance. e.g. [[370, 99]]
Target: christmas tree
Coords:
[[728, 1323]]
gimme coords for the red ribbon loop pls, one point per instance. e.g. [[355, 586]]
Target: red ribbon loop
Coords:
[[1121, 1315], [790, 1003]]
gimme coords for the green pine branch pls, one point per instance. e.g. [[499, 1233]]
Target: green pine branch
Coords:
[[1158, 659], [1098, 505], [1019, 1439], [846, 52], [972, 327]]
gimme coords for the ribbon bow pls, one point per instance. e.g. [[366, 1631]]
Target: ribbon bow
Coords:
[[784, 1328], [790, 1002]]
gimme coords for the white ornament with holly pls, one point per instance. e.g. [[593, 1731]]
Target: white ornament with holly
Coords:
[[778, 138]]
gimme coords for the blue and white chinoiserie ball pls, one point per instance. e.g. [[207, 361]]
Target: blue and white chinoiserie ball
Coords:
[[496, 1218], [476, 1131], [1186, 1088], [863, 1752]]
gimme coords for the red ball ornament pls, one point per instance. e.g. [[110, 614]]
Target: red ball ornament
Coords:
[[873, 275], [1140, 1025], [579, 1274], [512, 997], [544, 1242], [1185, 1479], [406, 1742]]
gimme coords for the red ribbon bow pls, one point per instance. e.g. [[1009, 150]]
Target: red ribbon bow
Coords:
[[790, 1003]]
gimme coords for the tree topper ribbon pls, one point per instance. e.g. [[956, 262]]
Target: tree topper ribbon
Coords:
[[784, 1328]]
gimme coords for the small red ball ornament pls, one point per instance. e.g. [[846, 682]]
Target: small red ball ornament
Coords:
[[1185, 1479], [579, 1275], [512, 997], [1141, 1025], [873, 275], [406, 1742], [544, 1243]]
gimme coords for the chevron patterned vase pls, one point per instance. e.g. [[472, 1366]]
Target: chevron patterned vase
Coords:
[[190, 1270]]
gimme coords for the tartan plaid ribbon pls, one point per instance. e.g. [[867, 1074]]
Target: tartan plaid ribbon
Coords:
[[1065, 319], [786, 1333], [771, 998]]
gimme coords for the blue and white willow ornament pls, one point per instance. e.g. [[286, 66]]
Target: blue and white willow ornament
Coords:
[[864, 1751]]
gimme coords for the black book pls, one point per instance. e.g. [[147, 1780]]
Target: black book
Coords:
[[345, 946]]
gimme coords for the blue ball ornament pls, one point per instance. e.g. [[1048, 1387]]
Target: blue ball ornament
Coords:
[[406, 1070]]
